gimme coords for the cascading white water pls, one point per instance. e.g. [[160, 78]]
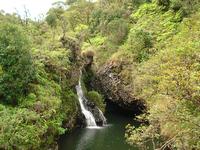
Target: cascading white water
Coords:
[[102, 117], [88, 115]]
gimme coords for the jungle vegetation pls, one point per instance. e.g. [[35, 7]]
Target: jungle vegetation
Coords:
[[155, 42]]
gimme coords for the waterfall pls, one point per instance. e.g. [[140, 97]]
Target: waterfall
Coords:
[[102, 117], [90, 119], [88, 115]]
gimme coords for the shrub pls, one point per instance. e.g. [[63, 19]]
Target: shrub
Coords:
[[20, 128], [102, 17], [187, 5], [139, 42], [169, 82], [16, 63], [117, 30], [52, 20], [1, 71], [97, 99], [140, 39], [176, 5], [164, 3]]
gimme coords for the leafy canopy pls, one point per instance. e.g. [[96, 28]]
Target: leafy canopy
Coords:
[[16, 63]]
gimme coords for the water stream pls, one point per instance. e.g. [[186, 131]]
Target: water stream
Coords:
[[102, 117], [109, 137], [90, 120]]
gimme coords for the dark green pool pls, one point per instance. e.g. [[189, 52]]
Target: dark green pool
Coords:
[[110, 137]]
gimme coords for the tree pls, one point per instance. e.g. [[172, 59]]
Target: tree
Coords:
[[117, 30], [79, 13], [53, 15], [16, 63], [70, 2]]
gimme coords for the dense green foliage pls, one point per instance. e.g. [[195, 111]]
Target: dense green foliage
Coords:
[[171, 89], [160, 65], [16, 63], [91, 95], [97, 99], [155, 44], [156, 47], [33, 75]]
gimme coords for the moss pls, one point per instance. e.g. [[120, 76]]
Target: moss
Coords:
[[97, 98], [90, 94]]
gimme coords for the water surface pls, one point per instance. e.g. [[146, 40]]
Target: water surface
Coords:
[[110, 137]]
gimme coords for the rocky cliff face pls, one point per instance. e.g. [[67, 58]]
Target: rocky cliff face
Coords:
[[81, 61], [109, 83]]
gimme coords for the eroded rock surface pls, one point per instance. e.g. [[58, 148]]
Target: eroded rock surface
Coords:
[[109, 83]]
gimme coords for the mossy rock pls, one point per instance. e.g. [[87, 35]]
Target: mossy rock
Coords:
[[97, 99]]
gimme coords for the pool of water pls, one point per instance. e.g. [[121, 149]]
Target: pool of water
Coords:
[[110, 137]]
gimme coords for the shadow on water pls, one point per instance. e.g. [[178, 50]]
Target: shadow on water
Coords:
[[110, 137]]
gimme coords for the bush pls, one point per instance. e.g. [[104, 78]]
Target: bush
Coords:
[[117, 30], [97, 99], [20, 128], [176, 5], [1, 71], [164, 3], [100, 18], [16, 63], [169, 83], [187, 5], [139, 42], [140, 39]]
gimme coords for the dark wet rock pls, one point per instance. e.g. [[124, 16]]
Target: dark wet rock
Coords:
[[90, 105], [81, 122], [110, 84], [76, 121], [98, 119], [95, 111]]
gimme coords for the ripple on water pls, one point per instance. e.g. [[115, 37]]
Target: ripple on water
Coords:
[[99, 127]]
